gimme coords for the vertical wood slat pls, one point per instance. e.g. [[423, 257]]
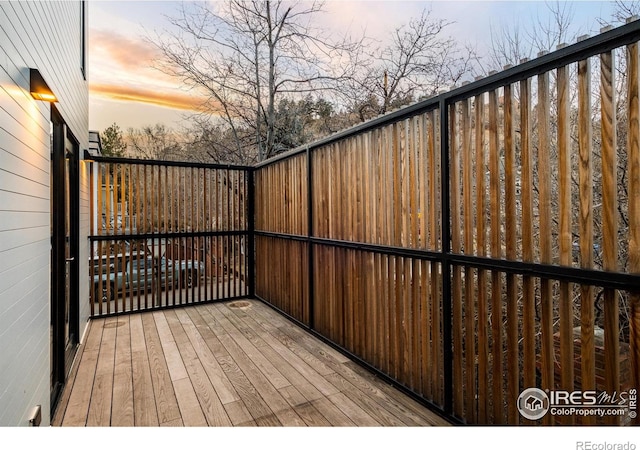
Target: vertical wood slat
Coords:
[[129, 216], [234, 215], [360, 324], [397, 186], [144, 218], [469, 309], [482, 319], [512, 379], [544, 185], [138, 214], [121, 224], [225, 240], [633, 167], [413, 183], [99, 198], [431, 177], [496, 252], [456, 247], [216, 240], [388, 164], [610, 222], [434, 268], [173, 228], [528, 299], [566, 247], [153, 217], [585, 173], [107, 198], [422, 130], [416, 330], [128, 293], [369, 293]]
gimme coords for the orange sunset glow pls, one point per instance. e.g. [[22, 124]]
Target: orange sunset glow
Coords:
[[123, 77], [166, 98]]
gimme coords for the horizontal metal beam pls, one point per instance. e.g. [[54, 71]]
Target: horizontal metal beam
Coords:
[[178, 235], [166, 307], [157, 162], [612, 280]]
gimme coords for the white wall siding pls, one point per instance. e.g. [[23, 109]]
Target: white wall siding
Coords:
[[46, 36]]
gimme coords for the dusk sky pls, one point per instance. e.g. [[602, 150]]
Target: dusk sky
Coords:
[[125, 89]]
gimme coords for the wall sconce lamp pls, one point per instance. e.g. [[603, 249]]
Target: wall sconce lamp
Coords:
[[39, 88]]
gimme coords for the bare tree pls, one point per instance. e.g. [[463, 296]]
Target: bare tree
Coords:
[[210, 139], [154, 142], [244, 57], [419, 61], [513, 42], [625, 9]]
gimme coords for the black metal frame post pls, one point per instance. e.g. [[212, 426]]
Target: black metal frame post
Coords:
[[57, 261]]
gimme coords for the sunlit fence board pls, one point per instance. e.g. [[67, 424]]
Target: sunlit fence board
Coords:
[[542, 193]]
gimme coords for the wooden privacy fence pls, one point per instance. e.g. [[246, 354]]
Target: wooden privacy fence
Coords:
[[478, 243], [166, 234]]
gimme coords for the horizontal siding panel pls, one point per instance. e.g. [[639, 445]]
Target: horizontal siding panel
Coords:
[[15, 183], [26, 373], [11, 201], [26, 164], [37, 363], [9, 259], [16, 239], [20, 220], [26, 274]]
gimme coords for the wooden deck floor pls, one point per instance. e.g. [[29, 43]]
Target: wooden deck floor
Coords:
[[225, 364]]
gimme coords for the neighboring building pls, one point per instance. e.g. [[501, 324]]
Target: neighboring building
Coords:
[[44, 203]]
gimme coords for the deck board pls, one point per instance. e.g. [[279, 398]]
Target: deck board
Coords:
[[122, 405], [81, 385], [210, 404], [102, 394], [220, 365], [144, 403], [164, 395]]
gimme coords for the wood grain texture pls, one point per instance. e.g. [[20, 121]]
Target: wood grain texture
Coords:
[[566, 240], [585, 174], [610, 220], [456, 247], [496, 219], [528, 288], [633, 155], [324, 388], [469, 298], [545, 235], [511, 232]]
